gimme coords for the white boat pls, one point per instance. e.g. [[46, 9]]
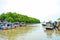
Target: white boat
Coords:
[[44, 24]]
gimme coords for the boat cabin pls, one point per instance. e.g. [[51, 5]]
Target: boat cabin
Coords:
[[22, 24], [16, 24]]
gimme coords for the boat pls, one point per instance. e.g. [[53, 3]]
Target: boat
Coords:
[[49, 28], [8, 25], [44, 24], [22, 24]]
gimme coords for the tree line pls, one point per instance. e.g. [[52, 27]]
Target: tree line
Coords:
[[15, 17]]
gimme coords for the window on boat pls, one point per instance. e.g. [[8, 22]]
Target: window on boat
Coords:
[[9, 25]]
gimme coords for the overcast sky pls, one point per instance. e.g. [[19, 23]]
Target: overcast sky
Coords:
[[40, 9]]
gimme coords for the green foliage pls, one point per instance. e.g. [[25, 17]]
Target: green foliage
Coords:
[[9, 19], [58, 18], [15, 17]]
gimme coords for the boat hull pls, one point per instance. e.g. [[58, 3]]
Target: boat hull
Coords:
[[44, 25], [49, 28]]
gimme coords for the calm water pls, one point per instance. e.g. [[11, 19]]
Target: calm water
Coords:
[[30, 32]]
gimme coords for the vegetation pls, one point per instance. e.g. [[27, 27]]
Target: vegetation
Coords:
[[58, 18], [15, 17]]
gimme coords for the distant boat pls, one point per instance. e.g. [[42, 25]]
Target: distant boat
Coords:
[[22, 24], [44, 24], [8, 25], [47, 26]]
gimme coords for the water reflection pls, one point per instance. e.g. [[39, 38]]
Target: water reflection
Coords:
[[52, 34], [12, 33], [49, 33], [57, 32]]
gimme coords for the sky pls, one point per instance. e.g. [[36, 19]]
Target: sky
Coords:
[[44, 10]]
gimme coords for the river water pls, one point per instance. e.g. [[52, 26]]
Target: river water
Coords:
[[30, 32]]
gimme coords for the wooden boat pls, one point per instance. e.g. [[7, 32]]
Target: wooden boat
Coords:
[[22, 24], [49, 28], [8, 25]]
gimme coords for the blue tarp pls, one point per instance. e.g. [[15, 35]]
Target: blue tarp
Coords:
[[0, 27]]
